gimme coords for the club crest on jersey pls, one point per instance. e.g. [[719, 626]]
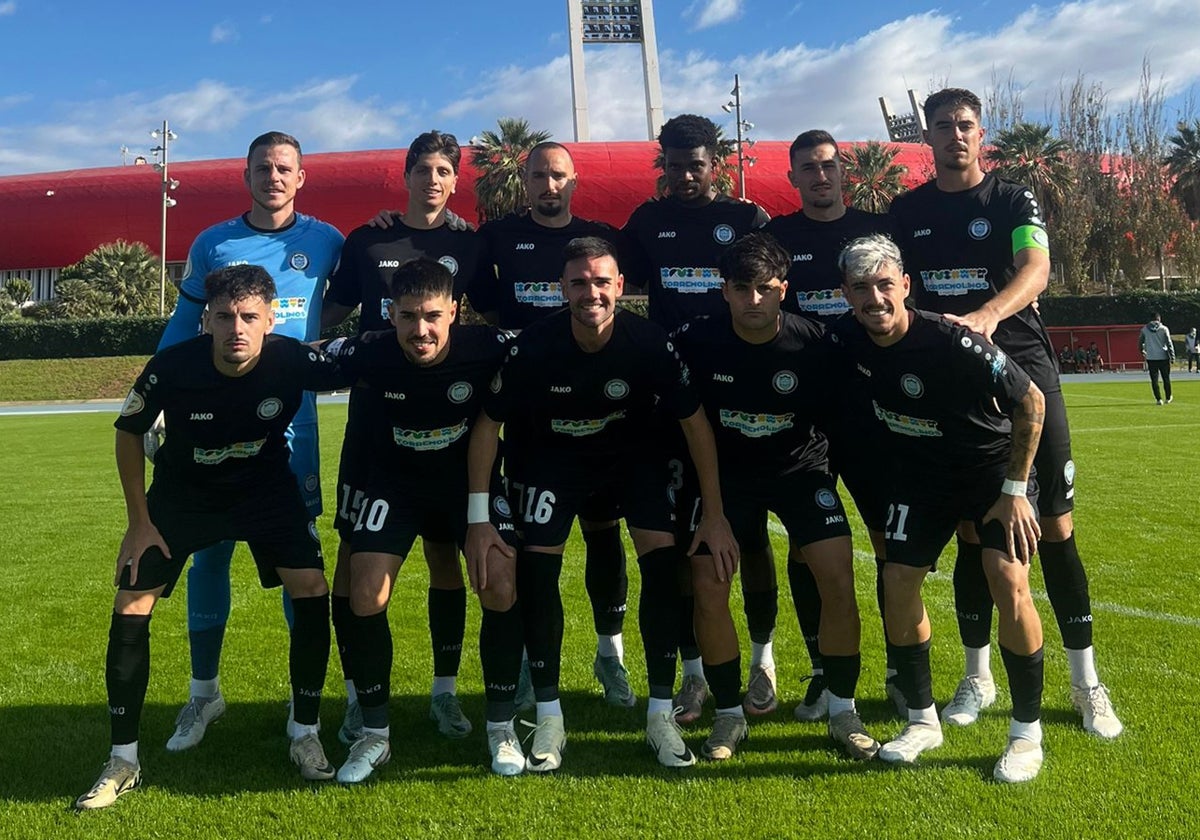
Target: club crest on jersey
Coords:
[[912, 386], [133, 404], [450, 263], [311, 483], [979, 228], [826, 500], [616, 389], [724, 234], [459, 392], [1069, 472], [269, 408], [500, 505], [784, 382], [298, 261]]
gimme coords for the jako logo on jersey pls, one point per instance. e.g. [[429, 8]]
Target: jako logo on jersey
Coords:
[[270, 407], [560, 389], [904, 424], [394, 395], [979, 228], [922, 232], [666, 234], [912, 386], [722, 377], [460, 392], [834, 520], [450, 263], [616, 389], [133, 404], [523, 246], [198, 415], [784, 382], [583, 428], [864, 371], [212, 457], [389, 264], [724, 234], [826, 500], [802, 257], [299, 261], [424, 440], [755, 425]]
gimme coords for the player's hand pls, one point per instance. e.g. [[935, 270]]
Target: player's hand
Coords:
[[482, 539], [1021, 528], [982, 321], [718, 536], [384, 219], [139, 537]]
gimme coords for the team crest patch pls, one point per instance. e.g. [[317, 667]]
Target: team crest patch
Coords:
[[826, 500], [269, 408], [616, 389], [459, 392], [311, 482], [450, 263], [1069, 472], [979, 228], [500, 505], [133, 404], [912, 386], [298, 261], [784, 382], [724, 234]]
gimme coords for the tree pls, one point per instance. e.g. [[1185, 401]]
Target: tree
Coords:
[[500, 159], [873, 178], [1029, 155], [1183, 164], [118, 278], [19, 290], [724, 175]]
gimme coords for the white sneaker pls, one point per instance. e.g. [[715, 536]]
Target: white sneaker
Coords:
[[507, 758], [910, 743], [549, 741], [973, 695], [308, 754], [117, 778], [665, 739], [367, 753], [193, 721], [1021, 761], [1099, 718], [761, 698]]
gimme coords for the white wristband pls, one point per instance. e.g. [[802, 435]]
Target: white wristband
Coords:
[[477, 508], [1011, 488]]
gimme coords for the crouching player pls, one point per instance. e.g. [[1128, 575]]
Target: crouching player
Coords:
[[423, 383], [222, 474], [942, 396]]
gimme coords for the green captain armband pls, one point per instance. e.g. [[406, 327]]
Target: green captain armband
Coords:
[[1030, 236]]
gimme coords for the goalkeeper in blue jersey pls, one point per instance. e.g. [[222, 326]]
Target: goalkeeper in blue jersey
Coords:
[[300, 253]]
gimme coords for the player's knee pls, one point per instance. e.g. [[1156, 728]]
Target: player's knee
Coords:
[[1057, 528], [212, 562], [304, 583]]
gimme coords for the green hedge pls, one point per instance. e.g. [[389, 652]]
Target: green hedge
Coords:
[[1180, 310]]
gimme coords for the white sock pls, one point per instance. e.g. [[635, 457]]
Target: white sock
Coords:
[[1031, 731], [494, 725], [552, 707], [351, 692], [693, 668], [979, 662], [300, 730], [1083, 667], [927, 716], [205, 688], [837, 705], [736, 711], [126, 752], [382, 732], [763, 655], [611, 646], [445, 685], [658, 706]]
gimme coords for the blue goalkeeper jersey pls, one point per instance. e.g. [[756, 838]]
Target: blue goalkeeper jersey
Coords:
[[300, 259]]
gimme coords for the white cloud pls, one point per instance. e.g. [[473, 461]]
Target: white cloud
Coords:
[[9, 7], [706, 13], [223, 33]]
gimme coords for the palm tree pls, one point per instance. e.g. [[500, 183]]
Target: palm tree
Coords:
[[118, 278], [725, 174], [1183, 164], [1027, 154], [873, 177], [500, 159]]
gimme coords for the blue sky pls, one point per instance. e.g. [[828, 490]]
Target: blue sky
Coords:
[[80, 79]]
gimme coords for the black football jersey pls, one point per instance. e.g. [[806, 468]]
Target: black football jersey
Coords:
[[958, 249], [225, 433], [569, 409], [761, 399], [370, 256], [814, 282], [528, 266], [674, 251], [941, 395]]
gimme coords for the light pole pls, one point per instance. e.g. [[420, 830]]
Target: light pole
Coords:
[[165, 135], [734, 106]]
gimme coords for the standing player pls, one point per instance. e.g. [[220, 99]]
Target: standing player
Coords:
[[300, 253], [423, 382], [222, 474], [369, 258], [814, 236], [978, 248], [526, 249], [759, 372], [675, 243], [938, 391], [572, 396]]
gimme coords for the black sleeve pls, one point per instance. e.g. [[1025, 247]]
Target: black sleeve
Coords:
[[673, 381], [345, 287], [483, 289], [637, 267], [318, 370], [991, 367], [509, 384], [143, 403]]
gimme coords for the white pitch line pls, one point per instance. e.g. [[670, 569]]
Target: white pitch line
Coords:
[[1120, 609]]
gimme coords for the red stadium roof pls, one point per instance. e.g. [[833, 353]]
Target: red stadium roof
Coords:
[[52, 219]]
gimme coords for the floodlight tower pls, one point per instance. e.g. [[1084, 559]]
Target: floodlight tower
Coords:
[[621, 22], [164, 136]]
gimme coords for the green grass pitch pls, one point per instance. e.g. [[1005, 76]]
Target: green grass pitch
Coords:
[[62, 515]]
